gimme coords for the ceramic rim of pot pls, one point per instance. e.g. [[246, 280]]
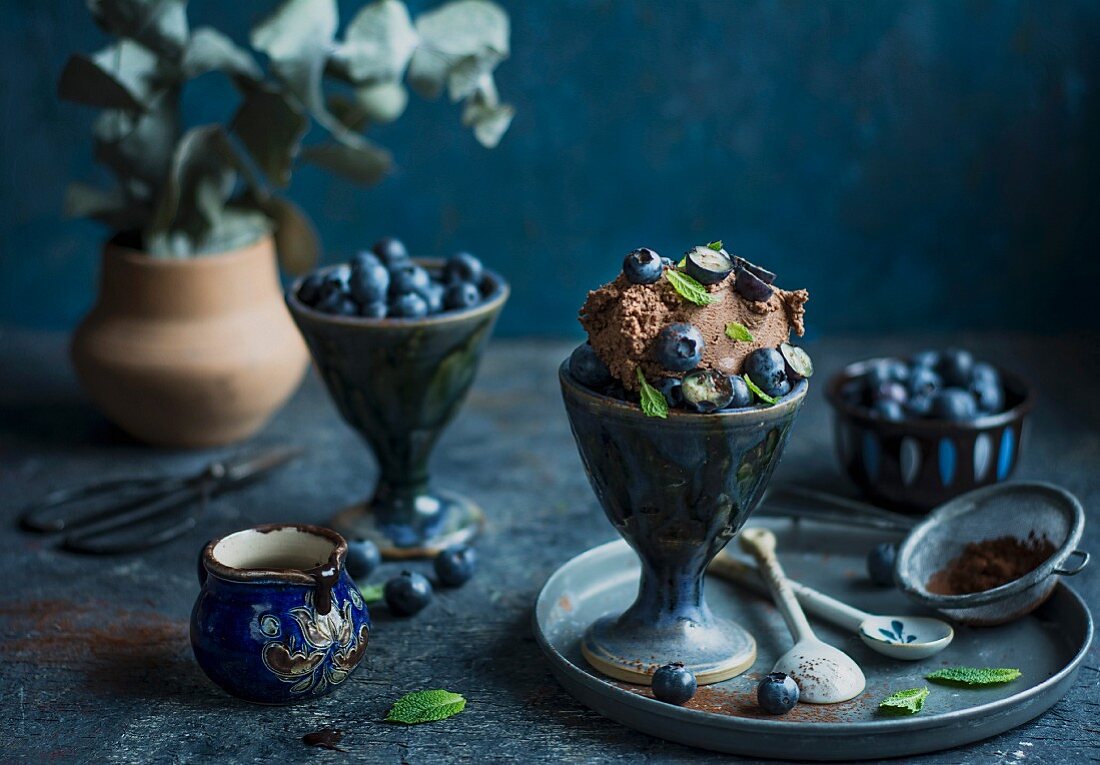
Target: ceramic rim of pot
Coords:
[[960, 506], [491, 303], [629, 409], [221, 570]]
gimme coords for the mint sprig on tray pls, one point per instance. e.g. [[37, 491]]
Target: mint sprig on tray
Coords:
[[907, 702], [689, 289], [974, 676], [653, 401], [426, 706]]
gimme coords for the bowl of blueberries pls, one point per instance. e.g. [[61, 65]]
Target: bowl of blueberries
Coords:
[[918, 432]]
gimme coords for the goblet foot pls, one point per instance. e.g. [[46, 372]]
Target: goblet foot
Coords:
[[439, 519], [714, 651]]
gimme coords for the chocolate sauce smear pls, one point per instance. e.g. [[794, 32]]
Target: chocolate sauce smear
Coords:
[[326, 575], [326, 738]]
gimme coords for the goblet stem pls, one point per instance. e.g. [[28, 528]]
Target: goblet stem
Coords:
[[668, 595]]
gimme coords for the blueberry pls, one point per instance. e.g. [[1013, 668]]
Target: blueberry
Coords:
[[919, 406], [679, 347], [880, 563], [642, 266], [373, 310], [310, 290], [760, 273], [799, 363], [365, 258], [982, 372], [363, 558], [955, 366], [891, 391], [337, 304], [989, 395], [409, 306], [463, 267], [752, 287], [433, 295], [706, 391], [923, 381], [672, 389], [707, 266], [887, 370], [925, 359], [461, 295], [407, 593], [616, 390], [674, 684], [455, 565], [889, 409], [954, 404], [768, 369], [588, 369], [390, 251], [742, 396], [369, 281], [777, 693], [408, 277], [854, 391], [668, 263]]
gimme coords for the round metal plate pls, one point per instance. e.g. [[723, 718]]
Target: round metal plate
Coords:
[[1048, 646]]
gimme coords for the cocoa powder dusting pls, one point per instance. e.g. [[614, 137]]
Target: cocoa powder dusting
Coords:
[[990, 563]]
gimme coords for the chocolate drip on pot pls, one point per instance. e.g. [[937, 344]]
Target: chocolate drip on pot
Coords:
[[326, 575]]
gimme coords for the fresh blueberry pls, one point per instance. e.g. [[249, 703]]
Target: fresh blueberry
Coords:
[[854, 391], [461, 295], [767, 368], [310, 290], [373, 310], [929, 359], [588, 369], [408, 277], [742, 396], [990, 396], [615, 389], [455, 565], [463, 267], [642, 266], [880, 563], [390, 251], [891, 391], [777, 693], [369, 281], [337, 304], [885, 371], [365, 258], [919, 406], [955, 366], [407, 593], [674, 684], [335, 280], [982, 372], [363, 558], [707, 266], [672, 389], [409, 306], [706, 391], [923, 381], [760, 273], [889, 409], [668, 263], [752, 287], [433, 295], [954, 404], [679, 347]]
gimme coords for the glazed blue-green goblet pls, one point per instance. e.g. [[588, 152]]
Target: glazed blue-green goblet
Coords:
[[399, 382], [677, 490]]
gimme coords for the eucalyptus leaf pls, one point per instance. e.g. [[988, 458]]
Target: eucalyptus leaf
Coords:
[[452, 35], [298, 37], [490, 123], [271, 128], [382, 103], [378, 43], [295, 238], [363, 162], [160, 25], [121, 76], [347, 110], [138, 148], [209, 50], [473, 74], [110, 206]]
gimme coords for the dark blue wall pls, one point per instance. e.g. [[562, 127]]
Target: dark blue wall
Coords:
[[928, 165]]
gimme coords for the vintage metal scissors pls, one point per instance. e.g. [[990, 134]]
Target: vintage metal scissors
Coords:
[[130, 514]]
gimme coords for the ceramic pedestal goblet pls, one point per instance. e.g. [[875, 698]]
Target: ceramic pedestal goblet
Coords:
[[677, 490], [399, 382]]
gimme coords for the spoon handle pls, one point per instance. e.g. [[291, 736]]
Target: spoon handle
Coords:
[[760, 543], [817, 603]]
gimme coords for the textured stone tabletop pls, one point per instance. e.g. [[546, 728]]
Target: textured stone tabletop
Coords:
[[96, 664]]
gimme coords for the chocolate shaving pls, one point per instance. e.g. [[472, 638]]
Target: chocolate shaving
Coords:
[[326, 738]]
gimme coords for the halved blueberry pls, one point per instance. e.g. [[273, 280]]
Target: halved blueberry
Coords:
[[671, 388], [679, 347], [642, 266], [799, 364], [706, 391], [752, 287], [707, 266], [759, 272]]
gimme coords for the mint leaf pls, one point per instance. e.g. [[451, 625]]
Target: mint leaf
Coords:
[[683, 262], [735, 331], [759, 393], [716, 246], [425, 706], [653, 401], [372, 593], [689, 289], [973, 675], [909, 701]]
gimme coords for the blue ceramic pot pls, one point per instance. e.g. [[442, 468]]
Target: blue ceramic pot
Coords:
[[677, 490], [278, 619], [399, 382]]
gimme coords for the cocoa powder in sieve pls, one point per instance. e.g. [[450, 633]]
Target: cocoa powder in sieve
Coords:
[[990, 563]]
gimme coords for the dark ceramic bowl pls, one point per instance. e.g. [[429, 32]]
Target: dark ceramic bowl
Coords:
[[677, 490], [399, 382], [915, 465]]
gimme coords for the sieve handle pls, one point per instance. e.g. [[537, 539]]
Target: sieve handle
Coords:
[[1061, 570]]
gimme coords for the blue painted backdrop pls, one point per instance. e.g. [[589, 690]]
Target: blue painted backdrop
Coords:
[[929, 165]]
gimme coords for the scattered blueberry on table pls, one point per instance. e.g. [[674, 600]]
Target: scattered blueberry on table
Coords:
[[362, 559], [385, 282], [777, 693], [880, 563], [674, 684], [407, 593], [455, 565]]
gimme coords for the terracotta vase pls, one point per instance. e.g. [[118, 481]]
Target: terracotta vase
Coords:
[[189, 352]]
